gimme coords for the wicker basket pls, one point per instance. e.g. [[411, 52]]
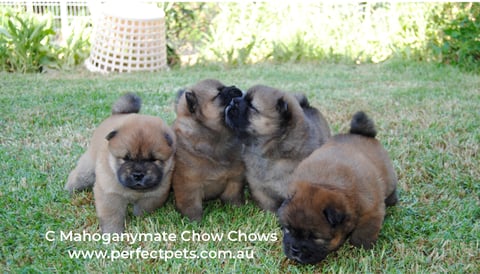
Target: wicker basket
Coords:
[[128, 38]]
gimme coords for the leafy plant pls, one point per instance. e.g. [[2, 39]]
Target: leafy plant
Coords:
[[234, 56], [298, 32], [26, 42], [461, 37], [348, 32], [236, 34], [76, 47], [296, 50], [185, 25]]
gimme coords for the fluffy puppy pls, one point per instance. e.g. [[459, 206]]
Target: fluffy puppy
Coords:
[[130, 160], [279, 130], [208, 161], [339, 191]]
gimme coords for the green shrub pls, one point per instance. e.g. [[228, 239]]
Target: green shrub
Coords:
[[3, 45], [459, 41], [352, 32], [76, 47], [25, 42], [296, 50], [248, 32], [235, 35], [186, 23]]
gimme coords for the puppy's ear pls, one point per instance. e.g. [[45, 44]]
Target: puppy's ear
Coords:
[[180, 93], [334, 216], [192, 101], [284, 111], [282, 106], [284, 204], [169, 139], [111, 135], [302, 100]]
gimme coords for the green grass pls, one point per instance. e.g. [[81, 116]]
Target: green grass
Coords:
[[428, 118]]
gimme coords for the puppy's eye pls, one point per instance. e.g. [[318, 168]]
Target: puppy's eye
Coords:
[[319, 241], [152, 159], [320, 238], [156, 161], [249, 104], [127, 157], [317, 236]]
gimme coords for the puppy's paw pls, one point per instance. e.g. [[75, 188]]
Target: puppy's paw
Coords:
[[79, 182], [366, 241], [82, 176], [112, 224], [111, 228], [189, 203], [392, 199], [266, 202], [194, 214], [147, 205], [366, 233], [233, 194]]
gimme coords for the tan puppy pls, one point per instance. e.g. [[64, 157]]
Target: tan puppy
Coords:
[[129, 160], [339, 191], [279, 130], [208, 161]]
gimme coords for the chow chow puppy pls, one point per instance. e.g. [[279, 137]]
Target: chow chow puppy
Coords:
[[208, 161], [279, 130], [339, 191], [130, 160]]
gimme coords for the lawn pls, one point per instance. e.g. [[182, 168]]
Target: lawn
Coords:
[[428, 118]]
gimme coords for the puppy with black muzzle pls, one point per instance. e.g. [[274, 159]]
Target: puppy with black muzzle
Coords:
[[339, 191], [208, 161], [130, 160], [279, 130]]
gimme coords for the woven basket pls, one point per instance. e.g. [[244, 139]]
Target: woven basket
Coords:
[[129, 38]]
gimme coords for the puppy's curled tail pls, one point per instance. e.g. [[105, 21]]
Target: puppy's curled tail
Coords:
[[128, 103], [362, 125]]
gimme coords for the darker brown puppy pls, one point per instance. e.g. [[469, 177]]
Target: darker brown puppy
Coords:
[[279, 130], [339, 191], [129, 160], [208, 161]]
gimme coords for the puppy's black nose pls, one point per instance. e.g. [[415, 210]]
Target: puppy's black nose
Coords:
[[233, 107], [137, 176], [235, 101]]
